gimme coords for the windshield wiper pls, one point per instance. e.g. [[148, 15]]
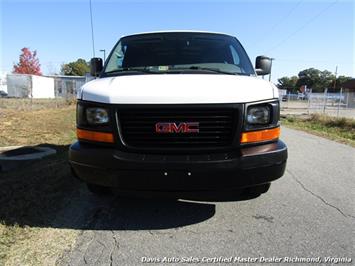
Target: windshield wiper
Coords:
[[216, 70], [173, 69], [131, 69]]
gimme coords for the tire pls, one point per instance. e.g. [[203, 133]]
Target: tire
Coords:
[[257, 190], [98, 190]]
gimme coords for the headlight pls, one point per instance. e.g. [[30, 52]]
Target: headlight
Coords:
[[96, 115], [258, 115]]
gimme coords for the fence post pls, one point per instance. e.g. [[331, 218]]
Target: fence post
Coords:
[[325, 100], [309, 95], [341, 92], [31, 89]]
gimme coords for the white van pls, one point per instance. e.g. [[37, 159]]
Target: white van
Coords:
[[179, 112]]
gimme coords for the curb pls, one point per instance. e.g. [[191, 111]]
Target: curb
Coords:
[[11, 162]]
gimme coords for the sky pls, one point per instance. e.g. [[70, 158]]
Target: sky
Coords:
[[298, 34]]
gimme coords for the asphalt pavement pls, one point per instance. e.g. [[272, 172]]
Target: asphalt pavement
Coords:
[[307, 215]]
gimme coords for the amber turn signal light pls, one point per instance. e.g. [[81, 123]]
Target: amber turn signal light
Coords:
[[94, 135], [260, 135]]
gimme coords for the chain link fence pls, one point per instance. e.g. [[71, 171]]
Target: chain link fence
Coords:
[[339, 104]]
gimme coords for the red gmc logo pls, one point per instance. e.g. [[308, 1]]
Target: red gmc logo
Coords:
[[183, 127]]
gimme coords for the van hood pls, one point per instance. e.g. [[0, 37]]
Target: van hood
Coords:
[[177, 89]]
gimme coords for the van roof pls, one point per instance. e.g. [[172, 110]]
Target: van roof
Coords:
[[178, 31]]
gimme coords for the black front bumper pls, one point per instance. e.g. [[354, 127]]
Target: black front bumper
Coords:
[[248, 167]]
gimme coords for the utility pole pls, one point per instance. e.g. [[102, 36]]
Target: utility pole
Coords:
[[92, 32], [335, 80], [104, 51], [271, 67]]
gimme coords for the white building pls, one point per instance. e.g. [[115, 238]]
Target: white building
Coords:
[[30, 86]]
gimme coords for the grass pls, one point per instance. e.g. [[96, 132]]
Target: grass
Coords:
[[54, 126], [32, 196], [34, 104], [338, 129], [30, 199]]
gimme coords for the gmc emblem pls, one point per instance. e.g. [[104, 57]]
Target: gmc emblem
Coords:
[[171, 127]]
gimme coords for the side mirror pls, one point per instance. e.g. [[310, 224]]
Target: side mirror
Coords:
[[96, 66], [263, 65]]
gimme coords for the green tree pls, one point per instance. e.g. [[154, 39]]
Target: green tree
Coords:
[[78, 68], [315, 79], [340, 81], [308, 77], [326, 79], [289, 84]]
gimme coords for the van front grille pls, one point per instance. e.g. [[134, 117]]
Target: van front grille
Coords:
[[216, 127]]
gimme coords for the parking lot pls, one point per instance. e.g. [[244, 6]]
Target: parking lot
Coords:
[[307, 214]]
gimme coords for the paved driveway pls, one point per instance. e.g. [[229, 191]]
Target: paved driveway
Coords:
[[308, 213]]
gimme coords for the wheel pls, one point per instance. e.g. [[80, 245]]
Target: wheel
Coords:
[[98, 190], [257, 190]]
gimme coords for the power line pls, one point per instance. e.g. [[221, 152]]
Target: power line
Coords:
[[284, 18], [303, 26], [315, 61], [92, 32]]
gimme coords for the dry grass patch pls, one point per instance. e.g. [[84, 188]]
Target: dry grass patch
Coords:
[[32, 196], [54, 126], [27, 104], [338, 129]]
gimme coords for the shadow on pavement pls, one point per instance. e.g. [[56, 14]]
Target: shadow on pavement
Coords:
[[44, 194], [146, 214]]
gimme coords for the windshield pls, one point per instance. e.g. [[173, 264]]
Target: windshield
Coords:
[[179, 52]]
